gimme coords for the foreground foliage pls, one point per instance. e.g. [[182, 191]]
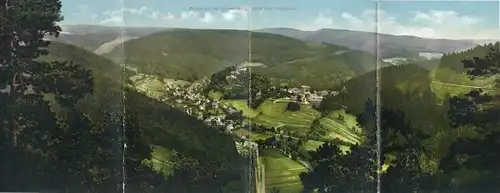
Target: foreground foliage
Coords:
[[399, 147]]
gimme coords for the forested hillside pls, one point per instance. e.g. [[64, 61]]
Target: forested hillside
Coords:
[[192, 54], [397, 84], [451, 69], [179, 132], [423, 146]]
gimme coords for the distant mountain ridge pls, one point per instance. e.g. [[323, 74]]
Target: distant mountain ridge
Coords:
[[291, 55], [91, 37], [389, 45]]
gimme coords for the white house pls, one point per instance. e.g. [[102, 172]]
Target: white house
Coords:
[[315, 98], [242, 70]]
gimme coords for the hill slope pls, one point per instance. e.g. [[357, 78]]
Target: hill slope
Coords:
[[451, 69], [405, 87], [191, 54], [389, 45], [167, 127], [92, 37]]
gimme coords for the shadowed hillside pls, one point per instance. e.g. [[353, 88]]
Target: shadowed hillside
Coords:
[[169, 128]]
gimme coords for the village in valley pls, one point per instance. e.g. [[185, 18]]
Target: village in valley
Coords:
[[190, 98], [287, 123]]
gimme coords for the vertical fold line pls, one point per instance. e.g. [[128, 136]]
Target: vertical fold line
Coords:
[[378, 99], [252, 169], [123, 142]]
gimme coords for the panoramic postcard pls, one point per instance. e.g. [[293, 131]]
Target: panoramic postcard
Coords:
[[249, 96]]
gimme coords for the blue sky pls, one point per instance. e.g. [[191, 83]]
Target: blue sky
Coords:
[[432, 19]]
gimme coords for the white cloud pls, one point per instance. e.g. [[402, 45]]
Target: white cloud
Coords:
[[216, 18], [207, 17], [169, 16], [431, 24], [351, 18], [116, 16], [113, 17], [188, 14], [139, 11], [156, 15], [440, 17], [234, 14], [159, 16], [113, 20]]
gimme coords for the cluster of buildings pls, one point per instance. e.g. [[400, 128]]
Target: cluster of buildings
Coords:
[[305, 95], [190, 99], [211, 111]]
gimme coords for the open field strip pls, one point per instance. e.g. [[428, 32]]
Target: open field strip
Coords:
[[161, 160], [441, 89], [281, 171]]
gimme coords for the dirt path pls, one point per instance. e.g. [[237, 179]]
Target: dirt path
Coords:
[[461, 85]]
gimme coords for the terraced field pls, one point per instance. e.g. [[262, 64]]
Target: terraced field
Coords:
[[281, 172], [273, 113], [332, 127]]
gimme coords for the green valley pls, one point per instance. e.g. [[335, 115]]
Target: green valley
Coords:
[[111, 109]]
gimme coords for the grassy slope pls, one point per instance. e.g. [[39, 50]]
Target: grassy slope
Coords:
[[451, 79], [274, 114], [161, 160], [331, 127], [281, 171], [192, 54], [101, 67], [405, 88], [89, 41]]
